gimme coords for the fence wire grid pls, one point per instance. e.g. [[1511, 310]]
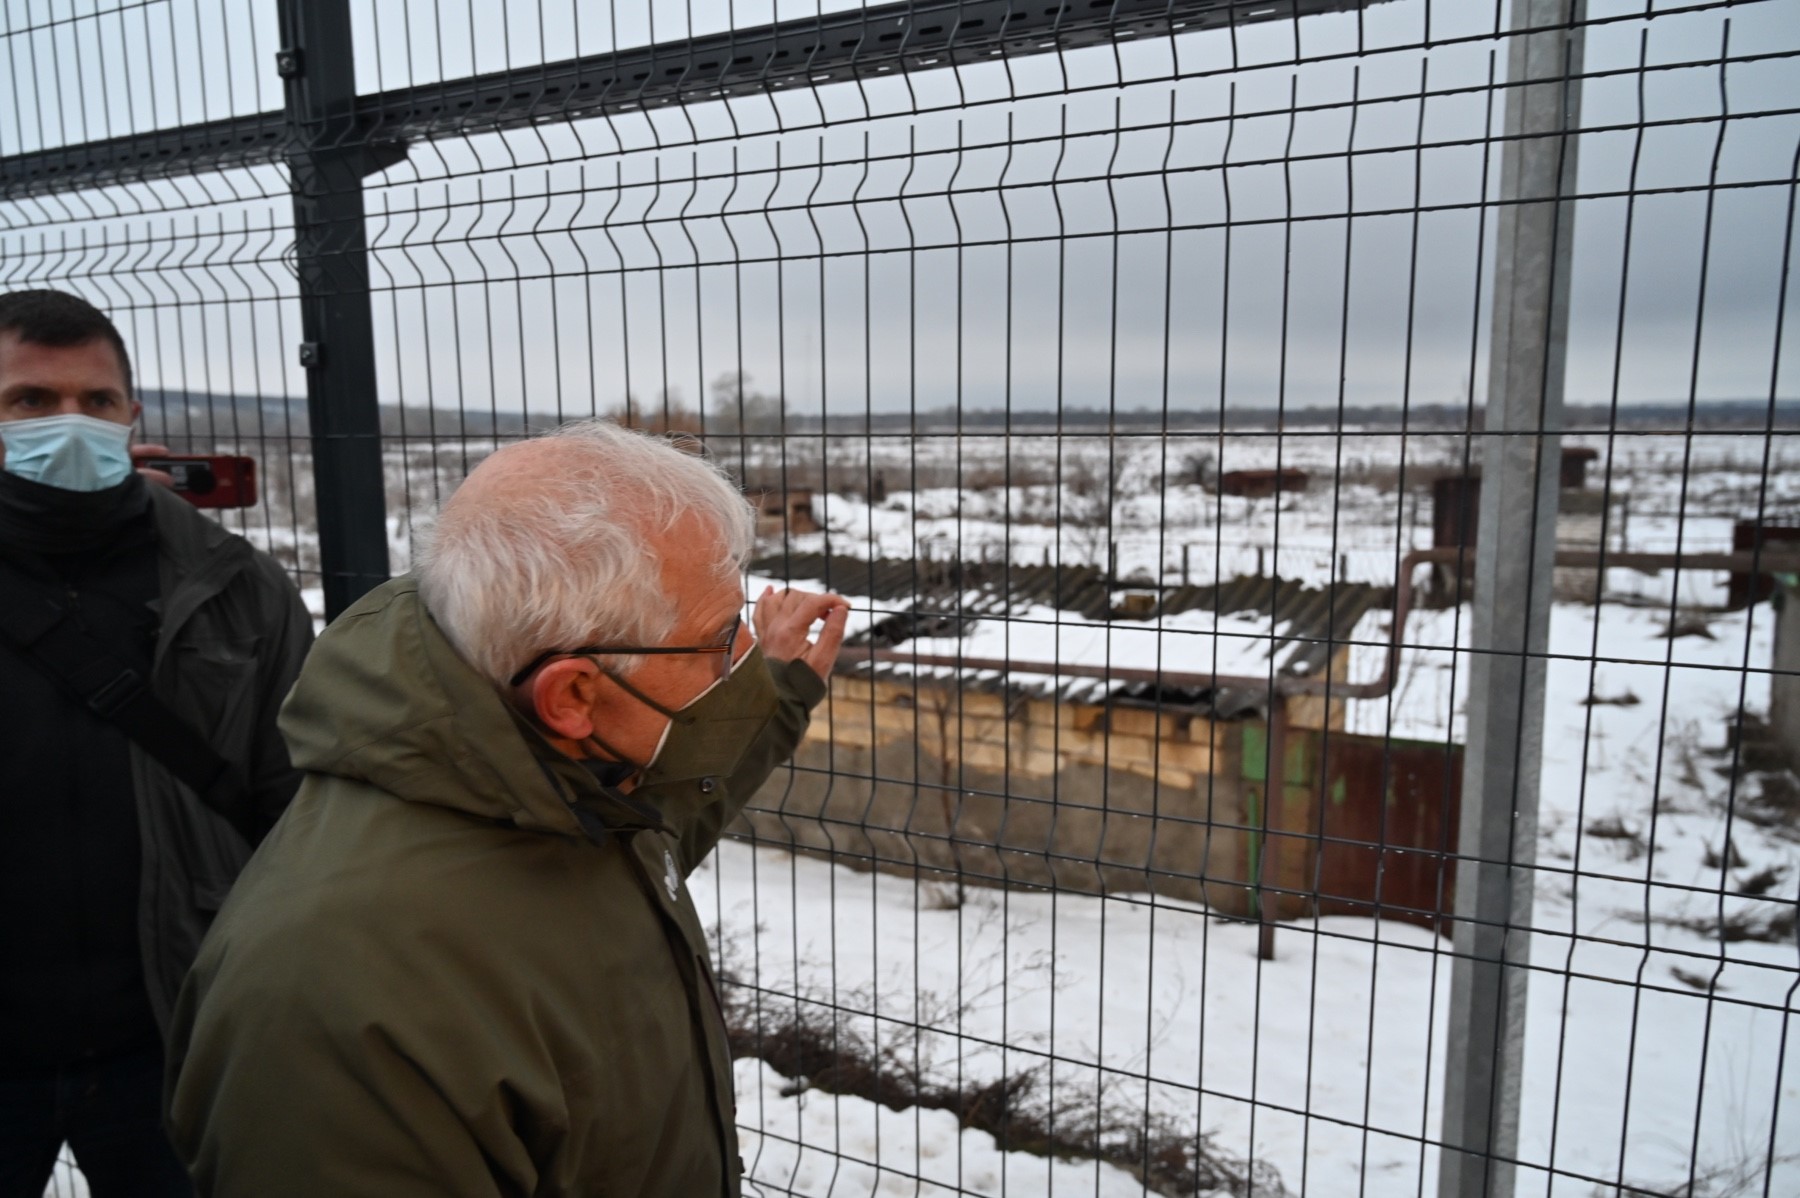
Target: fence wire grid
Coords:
[[1316, 480]]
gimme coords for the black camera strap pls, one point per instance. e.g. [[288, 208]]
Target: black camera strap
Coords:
[[48, 635]]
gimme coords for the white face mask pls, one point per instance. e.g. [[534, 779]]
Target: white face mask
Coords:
[[73, 452]]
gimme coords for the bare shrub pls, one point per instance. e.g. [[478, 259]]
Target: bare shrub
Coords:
[[1629, 838], [1612, 828], [1695, 981], [1762, 881], [1736, 927], [815, 1042], [1688, 623], [1626, 698], [1739, 1178], [1776, 804], [1726, 856]]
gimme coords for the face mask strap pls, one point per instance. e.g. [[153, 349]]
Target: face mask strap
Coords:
[[621, 767], [625, 764], [639, 695], [755, 643]]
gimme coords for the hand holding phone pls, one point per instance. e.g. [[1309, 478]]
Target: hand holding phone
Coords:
[[215, 481]]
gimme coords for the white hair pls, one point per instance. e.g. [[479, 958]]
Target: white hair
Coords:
[[565, 558]]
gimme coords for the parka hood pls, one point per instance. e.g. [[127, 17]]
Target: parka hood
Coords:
[[385, 699]]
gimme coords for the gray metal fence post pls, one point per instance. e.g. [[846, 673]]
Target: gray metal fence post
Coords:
[[327, 160], [1514, 552]]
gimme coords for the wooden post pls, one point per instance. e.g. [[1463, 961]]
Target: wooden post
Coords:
[[1274, 791]]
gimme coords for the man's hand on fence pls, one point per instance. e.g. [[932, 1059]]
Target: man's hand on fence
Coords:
[[784, 620]]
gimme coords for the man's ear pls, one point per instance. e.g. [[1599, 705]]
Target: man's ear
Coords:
[[562, 696]]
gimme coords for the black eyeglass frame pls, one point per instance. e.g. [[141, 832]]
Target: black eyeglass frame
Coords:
[[724, 650]]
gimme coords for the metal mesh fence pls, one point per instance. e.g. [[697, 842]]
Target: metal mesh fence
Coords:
[[1316, 482]]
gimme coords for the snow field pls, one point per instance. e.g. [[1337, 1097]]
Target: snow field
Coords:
[[1654, 1051], [1162, 1008], [1631, 1073]]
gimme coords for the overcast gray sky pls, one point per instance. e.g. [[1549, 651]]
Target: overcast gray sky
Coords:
[[1087, 269]]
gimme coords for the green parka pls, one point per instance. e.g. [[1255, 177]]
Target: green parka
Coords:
[[459, 966]]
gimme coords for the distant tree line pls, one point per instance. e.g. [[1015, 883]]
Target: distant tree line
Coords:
[[738, 408]]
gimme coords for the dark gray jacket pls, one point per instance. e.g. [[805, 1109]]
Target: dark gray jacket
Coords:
[[234, 632]]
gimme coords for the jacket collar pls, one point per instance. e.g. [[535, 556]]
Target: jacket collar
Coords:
[[602, 811]]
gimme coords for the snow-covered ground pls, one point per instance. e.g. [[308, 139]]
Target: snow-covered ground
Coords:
[[1327, 1062], [1656, 1049], [1078, 499], [1151, 1007], [1074, 499], [820, 1143]]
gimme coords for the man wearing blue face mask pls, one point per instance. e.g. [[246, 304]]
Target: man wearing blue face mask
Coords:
[[143, 652]]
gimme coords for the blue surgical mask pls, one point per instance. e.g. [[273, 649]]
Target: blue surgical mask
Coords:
[[74, 453]]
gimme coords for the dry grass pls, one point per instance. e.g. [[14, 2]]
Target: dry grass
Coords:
[[817, 1045]]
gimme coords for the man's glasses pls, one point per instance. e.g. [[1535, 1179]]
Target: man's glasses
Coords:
[[723, 649]]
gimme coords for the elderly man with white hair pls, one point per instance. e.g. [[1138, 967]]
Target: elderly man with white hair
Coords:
[[466, 962]]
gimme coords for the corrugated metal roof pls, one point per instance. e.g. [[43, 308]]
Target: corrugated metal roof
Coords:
[[946, 598]]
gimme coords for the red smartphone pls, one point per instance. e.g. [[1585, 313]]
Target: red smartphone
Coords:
[[218, 481]]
